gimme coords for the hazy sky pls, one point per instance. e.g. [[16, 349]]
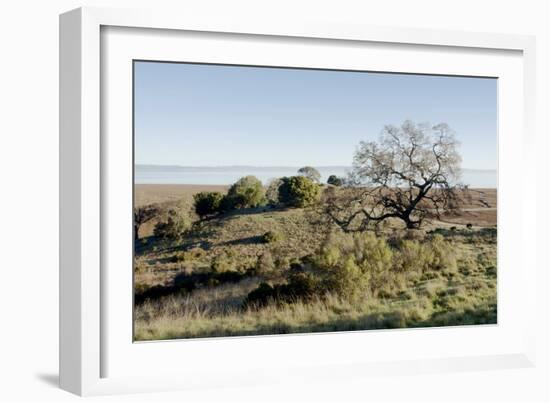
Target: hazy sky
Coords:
[[203, 115]]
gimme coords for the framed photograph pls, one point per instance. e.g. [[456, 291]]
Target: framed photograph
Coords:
[[247, 202]]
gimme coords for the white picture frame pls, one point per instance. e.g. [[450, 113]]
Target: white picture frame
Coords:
[[88, 335]]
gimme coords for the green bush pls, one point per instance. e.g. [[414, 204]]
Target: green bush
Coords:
[[246, 192], [272, 192], [260, 296], [207, 203], [354, 264], [335, 180], [419, 257], [298, 191], [413, 257], [444, 254], [301, 286], [173, 226]]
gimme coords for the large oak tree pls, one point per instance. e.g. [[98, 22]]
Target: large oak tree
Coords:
[[409, 173]]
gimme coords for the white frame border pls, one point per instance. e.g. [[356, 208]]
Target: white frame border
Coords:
[[80, 164]]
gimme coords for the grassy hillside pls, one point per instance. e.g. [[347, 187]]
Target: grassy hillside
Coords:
[[197, 286]]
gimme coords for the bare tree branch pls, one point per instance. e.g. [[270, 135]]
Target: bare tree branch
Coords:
[[409, 174]]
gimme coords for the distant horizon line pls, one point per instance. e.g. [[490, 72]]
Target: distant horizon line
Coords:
[[269, 166]]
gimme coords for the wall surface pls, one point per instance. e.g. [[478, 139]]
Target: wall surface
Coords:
[[29, 201]]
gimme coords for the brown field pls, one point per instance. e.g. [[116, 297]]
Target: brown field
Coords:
[[149, 194], [480, 209]]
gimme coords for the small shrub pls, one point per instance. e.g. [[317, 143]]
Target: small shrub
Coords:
[[299, 287], [354, 264], [444, 254], [222, 264], [469, 225], [272, 192], [260, 296], [282, 263], [298, 191], [207, 203], [173, 226], [335, 180], [272, 237], [413, 257]]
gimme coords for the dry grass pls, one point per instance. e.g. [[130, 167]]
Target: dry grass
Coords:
[[433, 303]]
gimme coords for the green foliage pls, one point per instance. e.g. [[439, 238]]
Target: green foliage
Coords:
[[434, 254], [444, 257], [413, 257], [310, 172], [298, 191], [173, 226], [272, 192], [301, 286], [272, 237], [207, 203], [354, 264], [335, 180], [246, 192]]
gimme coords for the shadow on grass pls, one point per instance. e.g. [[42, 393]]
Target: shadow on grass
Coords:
[[185, 283], [486, 233], [251, 240]]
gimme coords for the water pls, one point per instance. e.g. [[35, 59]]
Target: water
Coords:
[[151, 174]]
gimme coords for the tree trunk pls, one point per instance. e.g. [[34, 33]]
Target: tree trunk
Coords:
[[410, 223]]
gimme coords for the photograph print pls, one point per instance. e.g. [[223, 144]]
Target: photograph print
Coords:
[[274, 200]]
